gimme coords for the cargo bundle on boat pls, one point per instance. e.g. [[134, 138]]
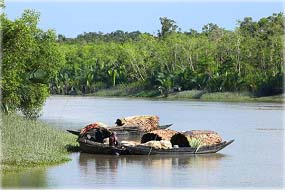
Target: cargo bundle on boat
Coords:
[[145, 123]]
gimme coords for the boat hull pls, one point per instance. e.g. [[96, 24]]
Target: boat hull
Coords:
[[92, 147], [123, 130], [144, 150]]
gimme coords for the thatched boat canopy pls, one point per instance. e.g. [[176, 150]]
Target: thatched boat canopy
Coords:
[[180, 139], [157, 135], [206, 137], [145, 123]]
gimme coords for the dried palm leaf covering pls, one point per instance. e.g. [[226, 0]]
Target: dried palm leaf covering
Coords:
[[145, 123], [206, 138]]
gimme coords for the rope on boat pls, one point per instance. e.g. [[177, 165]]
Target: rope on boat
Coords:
[[197, 149]]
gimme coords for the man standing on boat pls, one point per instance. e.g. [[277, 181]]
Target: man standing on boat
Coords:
[[113, 139]]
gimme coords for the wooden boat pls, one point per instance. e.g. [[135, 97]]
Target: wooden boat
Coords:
[[122, 130], [145, 150], [133, 130], [93, 147]]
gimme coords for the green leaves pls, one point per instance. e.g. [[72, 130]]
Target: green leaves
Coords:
[[167, 26], [250, 58], [31, 57]]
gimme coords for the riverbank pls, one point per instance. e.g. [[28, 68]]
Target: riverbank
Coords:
[[27, 143], [188, 95], [225, 97]]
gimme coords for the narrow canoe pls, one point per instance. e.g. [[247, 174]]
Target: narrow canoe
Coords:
[[93, 147], [144, 150]]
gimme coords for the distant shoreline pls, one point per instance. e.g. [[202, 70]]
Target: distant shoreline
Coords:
[[191, 95]]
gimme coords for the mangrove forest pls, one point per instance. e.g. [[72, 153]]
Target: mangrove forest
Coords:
[[37, 63]]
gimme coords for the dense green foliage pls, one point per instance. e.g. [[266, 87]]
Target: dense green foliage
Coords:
[[36, 62], [247, 59], [30, 58], [27, 143]]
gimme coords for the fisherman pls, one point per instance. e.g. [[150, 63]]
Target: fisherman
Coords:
[[113, 139], [119, 122]]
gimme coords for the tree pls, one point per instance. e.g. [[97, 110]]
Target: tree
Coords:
[[30, 58], [192, 32], [167, 26], [249, 58], [61, 38]]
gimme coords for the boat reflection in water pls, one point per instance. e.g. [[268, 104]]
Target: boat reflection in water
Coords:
[[140, 171]]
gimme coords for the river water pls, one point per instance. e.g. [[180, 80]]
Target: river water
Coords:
[[254, 161]]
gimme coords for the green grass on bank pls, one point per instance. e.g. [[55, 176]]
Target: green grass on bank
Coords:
[[224, 96], [240, 97], [188, 94], [27, 143], [276, 98]]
